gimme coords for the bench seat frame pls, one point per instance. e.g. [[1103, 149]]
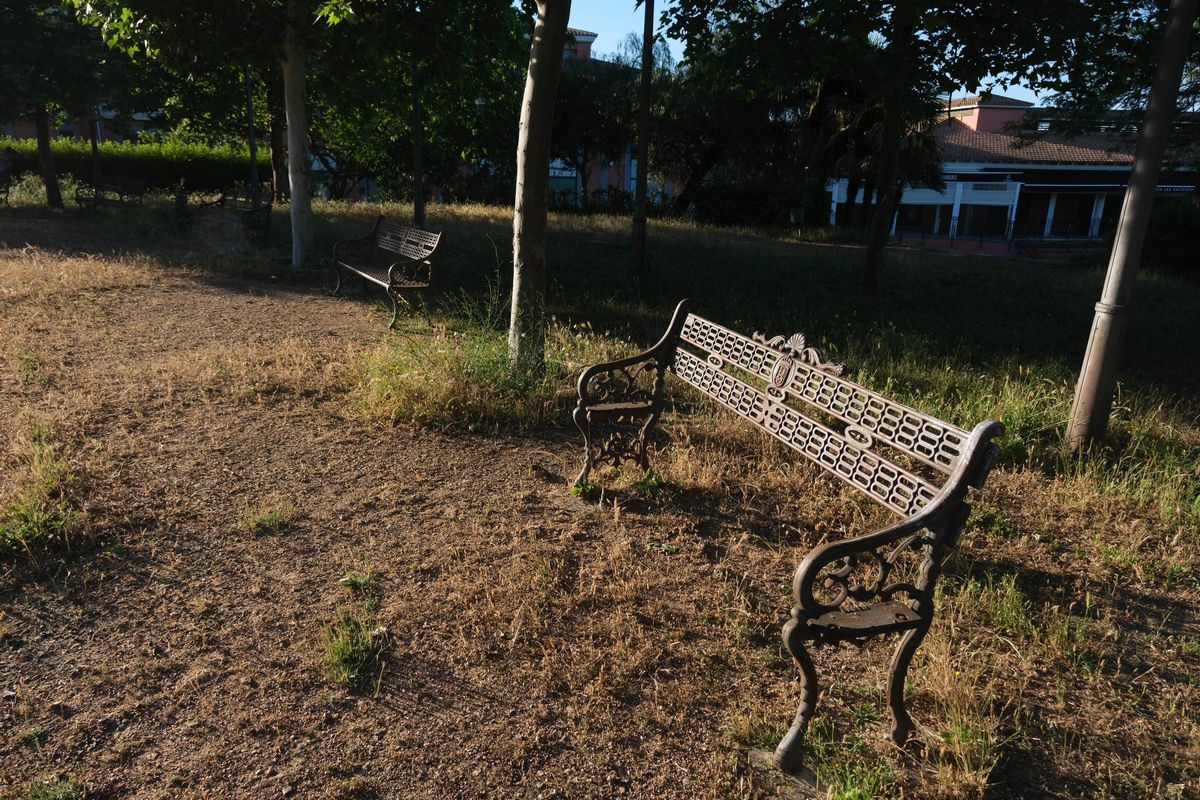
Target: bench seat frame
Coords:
[[402, 278], [240, 207], [117, 191], [850, 590]]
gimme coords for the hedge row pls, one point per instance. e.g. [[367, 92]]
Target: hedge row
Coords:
[[161, 164]]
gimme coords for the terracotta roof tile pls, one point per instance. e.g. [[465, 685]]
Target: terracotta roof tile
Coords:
[[987, 100], [580, 32], [959, 143]]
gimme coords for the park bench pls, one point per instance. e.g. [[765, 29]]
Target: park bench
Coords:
[[242, 208], [916, 466], [373, 258], [118, 191]]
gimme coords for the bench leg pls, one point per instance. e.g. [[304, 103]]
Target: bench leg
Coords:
[[789, 755], [585, 427], [338, 273], [902, 724], [395, 298]]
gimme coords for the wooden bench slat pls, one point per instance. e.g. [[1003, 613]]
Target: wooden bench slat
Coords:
[[931, 441], [886, 483]]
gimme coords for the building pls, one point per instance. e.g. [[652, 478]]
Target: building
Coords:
[[605, 174], [1002, 187]]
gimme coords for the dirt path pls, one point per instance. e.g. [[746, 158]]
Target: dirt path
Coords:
[[181, 657]]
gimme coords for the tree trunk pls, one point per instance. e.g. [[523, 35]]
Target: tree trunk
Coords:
[[279, 174], [526, 332], [299, 14], [638, 255], [252, 135], [892, 135], [849, 208], [95, 137], [418, 134], [695, 177], [41, 121], [1098, 376], [870, 202]]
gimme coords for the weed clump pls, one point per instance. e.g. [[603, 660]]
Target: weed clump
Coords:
[[354, 643], [39, 511]]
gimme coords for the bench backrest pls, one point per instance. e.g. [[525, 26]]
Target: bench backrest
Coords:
[[122, 185], [894, 454], [410, 242], [244, 200]]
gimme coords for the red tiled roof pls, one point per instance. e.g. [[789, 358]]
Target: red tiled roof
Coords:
[[959, 143], [580, 32], [987, 100]]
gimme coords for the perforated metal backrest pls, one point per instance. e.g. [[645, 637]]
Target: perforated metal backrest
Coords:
[[406, 240], [796, 380]]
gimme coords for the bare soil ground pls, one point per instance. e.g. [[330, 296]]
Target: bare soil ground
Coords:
[[539, 646]]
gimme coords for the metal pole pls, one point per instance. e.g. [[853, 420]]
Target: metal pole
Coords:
[[1098, 376], [639, 210]]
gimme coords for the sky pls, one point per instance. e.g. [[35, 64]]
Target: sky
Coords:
[[613, 20]]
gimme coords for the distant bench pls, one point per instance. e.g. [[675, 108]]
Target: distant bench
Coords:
[[118, 191], [373, 258], [242, 208], [916, 466]]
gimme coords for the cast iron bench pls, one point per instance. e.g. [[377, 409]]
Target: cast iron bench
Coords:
[[242, 208], [918, 467], [372, 258], [119, 191]]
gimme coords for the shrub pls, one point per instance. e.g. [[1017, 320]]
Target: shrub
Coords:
[[1173, 238], [162, 164]]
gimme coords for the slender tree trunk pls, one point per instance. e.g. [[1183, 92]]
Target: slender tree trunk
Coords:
[[418, 133], [95, 137], [527, 325], [849, 210], [41, 121], [870, 201], [299, 20], [279, 174], [585, 180], [638, 254], [695, 177], [1098, 376], [252, 135], [892, 135]]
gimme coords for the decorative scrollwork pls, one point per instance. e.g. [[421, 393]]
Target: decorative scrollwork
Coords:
[[796, 347], [626, 384], [620, 446], [873, 576]]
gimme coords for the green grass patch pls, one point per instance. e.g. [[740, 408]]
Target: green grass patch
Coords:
[[40, 510], [56, 788], [272, 520], [353, 643]]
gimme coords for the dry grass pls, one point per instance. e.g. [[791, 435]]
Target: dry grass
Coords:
[[1063, 658]]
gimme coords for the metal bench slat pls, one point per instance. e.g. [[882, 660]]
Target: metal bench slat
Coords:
[[929, 440], [885, 482]]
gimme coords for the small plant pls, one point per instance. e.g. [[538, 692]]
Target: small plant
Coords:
[[56, 789], [662, 547], [649, 485], [40, 511], [585, 489], [270, 520], [359, 581], [354, 643], [35, 735]]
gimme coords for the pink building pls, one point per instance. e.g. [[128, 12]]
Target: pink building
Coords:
[[1003, 187]]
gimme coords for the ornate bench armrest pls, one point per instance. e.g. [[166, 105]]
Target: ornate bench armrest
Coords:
[[831, 566], [616, 381], [415, 270], [938, 525]]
